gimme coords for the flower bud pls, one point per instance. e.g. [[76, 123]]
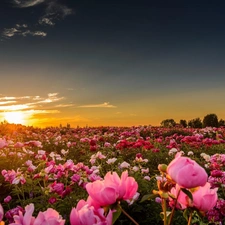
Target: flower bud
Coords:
[[162, 167]]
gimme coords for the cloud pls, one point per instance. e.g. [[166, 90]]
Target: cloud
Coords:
[[44, 111], [10, 32], [11, 103], [22, 31], [64, 105], [14, 98], [52, 97], [103, 105], [46, 21], [34, 33], [57, 9], [13, 107], [27, 3], [7, 102], [53, 11], [21, 25]]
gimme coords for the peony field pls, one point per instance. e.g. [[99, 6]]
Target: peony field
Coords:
[[112, 175]]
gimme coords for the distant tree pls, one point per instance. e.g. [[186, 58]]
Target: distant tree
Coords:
[[210, 120], [183, 123], [221, 123], [195, 123], [168, 123]]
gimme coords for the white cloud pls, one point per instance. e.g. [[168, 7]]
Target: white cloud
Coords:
[[52, 94], [46, 21], [13, 107], [39, 33], [7, 102], [10, 103], [44, 111], [21, 29], [34, 33], [53, 11], [21, 25], [64, 105], [27, 3], [103, 105], [10, 32]]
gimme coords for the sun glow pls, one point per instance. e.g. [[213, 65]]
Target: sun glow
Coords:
[[15, 117]]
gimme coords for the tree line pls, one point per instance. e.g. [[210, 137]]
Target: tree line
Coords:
[[210, 120]]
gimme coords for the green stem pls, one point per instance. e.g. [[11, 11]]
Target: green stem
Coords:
[[164, 211], [190, 218], [125, 213], [173, 210]]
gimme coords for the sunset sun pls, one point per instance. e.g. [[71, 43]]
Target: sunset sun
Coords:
[[14, 117]]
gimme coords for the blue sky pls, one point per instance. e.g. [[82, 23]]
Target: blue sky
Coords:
[[124, 63]]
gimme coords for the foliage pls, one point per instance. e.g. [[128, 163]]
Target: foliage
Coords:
[[210, 120], [221, 123], [168, 123], [183, 123], [50, 167], [195, 123]]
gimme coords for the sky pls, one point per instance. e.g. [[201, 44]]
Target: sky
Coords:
[[111, 63]]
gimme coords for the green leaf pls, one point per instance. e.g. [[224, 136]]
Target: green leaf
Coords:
[[168, 214], [147, 197], [185, 214], [188, 193], [116, 214]]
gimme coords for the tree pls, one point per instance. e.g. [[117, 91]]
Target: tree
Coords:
[[183, 123], [195, 123], [168, 123], [210, 120], [221, 123]]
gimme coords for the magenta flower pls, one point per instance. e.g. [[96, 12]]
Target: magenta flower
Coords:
[[52, 200], [57, 188], [50, 216], [84, 214], [112, 188], [1, 212], [186, 172], [7, 199], [205, 198], [3, 143], [26, 219]]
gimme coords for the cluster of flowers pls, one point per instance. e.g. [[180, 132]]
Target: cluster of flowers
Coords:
[[97, 209], [216, 164], [183, 185]]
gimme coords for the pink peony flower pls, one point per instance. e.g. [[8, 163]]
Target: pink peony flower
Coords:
[[1, 212], [3, 143], [18, 145], [183, 201], [50, 216], [186, 172], [26, 219], [112, 188], [7, 199], [205, 198], [84, 214]]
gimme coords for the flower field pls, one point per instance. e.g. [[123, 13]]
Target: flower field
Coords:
[[112, 175]]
